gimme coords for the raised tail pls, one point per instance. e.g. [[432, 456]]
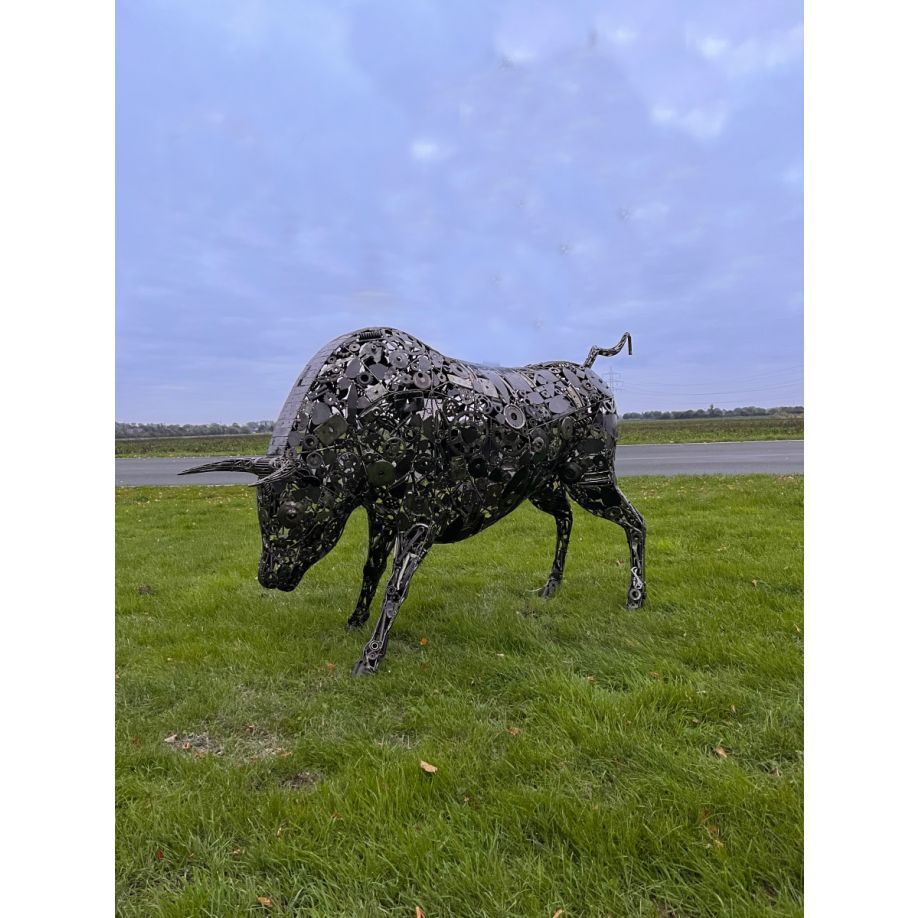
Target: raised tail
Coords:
[[607, 351]]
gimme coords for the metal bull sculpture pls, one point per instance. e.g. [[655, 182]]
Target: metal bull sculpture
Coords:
[[436, 450]]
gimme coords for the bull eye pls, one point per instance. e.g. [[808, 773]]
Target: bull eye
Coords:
[[289, 513]]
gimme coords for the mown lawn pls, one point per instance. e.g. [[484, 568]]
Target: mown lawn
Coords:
[[711, 430], [589, 759], [693, 430]]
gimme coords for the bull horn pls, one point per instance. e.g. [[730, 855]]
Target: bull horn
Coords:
[[256, 465]]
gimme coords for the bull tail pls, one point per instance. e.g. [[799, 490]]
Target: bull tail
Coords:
[[607, 351]]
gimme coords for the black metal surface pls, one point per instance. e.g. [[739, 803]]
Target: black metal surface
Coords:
[[435, 449]]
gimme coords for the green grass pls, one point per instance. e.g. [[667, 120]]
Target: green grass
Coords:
[[712, 430], [694, 430], [234, 445], [303, 785]]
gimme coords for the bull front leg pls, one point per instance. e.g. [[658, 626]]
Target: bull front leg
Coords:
[[552, 499], [381, 540], [410, 548]]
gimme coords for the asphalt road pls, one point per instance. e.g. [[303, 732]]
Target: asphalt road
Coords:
[[779, 457]]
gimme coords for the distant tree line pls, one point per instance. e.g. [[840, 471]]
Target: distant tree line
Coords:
[[143, 431], [712, 412]]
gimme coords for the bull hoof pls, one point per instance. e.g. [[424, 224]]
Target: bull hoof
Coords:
[[635, 599], [549, 589], [362, 668], [355, 624]]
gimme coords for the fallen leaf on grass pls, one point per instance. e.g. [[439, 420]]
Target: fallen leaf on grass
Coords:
[[424, 642], [732, 708], [250, 728], [591, 679], [558, 913], [419, 912], [620, 562], [720, 751], [265, 901], [159, 854], [237, 851], [171, 738], [329, 666], [186, 746], [426, 766], [513, 731]]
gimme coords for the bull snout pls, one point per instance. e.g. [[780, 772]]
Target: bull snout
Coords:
[[275, 576]]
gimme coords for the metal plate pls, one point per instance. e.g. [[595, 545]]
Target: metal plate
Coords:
[[331, 429]]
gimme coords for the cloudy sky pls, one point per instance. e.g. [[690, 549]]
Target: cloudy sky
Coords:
[[510, 181]]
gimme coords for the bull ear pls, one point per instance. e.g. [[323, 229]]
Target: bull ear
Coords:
[[256, 465]]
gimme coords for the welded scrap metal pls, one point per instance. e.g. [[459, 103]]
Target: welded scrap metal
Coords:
[[435, 449]]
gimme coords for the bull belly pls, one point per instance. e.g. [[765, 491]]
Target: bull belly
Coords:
[[464, 527]]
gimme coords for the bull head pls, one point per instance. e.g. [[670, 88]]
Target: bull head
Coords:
[[267, 468], [301, 520]]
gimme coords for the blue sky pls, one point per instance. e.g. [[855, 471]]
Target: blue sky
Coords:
[[510, 181]]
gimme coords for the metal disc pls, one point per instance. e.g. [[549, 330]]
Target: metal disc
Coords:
[[514, 416], [380, 473]]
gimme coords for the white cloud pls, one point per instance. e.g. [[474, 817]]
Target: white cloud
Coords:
[[426, 150], [622, 36], [712, 47], [754, 55], [700, 123]]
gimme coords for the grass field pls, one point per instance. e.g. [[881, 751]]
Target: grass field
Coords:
[[694, 430], [589, 759]]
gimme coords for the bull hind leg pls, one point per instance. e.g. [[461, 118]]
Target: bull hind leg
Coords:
[[410, 548], [607, 501], [552, 499], [381, 540]]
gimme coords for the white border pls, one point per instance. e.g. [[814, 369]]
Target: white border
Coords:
[[860, 291], [57, 663]]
